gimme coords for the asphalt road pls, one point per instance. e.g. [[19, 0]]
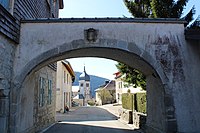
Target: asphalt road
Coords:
[[89, 120]]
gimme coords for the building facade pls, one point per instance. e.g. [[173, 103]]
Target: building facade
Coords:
[[65, 78], [106, 93], [37, 103], [122, 87], [11, 12]]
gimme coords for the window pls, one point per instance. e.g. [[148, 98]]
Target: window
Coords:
[[41, 91], [5, 3], [49, 100], [120, 85], [87, 84], [81, 84], [67, 79], [64, 76]]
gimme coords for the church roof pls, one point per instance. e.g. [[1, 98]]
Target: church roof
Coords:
[[84, 76]]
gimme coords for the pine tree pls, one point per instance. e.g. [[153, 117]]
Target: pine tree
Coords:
[[158, 8], [139, 8]]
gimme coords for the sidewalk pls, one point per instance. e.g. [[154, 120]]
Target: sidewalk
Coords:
[[115, 110], [73, 108]]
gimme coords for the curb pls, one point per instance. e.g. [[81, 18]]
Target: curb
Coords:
[[44, 130]]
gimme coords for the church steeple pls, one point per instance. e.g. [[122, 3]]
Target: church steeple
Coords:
[[84, 86], [84, 75], [84, 68]]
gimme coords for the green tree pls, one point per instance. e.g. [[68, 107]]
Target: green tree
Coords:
[[139, 8], [132, 76], [159, 9], [196, 24]]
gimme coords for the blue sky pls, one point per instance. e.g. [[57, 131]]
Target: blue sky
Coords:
[[101, 8], [95, 66], [94, 8], [105, 8]]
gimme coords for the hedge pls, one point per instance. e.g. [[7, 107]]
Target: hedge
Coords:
[[141, 102], [134, 101], [127, 101]]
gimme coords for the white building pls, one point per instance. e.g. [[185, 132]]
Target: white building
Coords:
[[108, 86], [97, 97], [65, 78], [75, 91], [120, 88]]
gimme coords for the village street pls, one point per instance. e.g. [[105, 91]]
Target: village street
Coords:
[[102, 119]]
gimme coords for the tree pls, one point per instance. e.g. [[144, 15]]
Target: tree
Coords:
[[132, 76], [152, 9], [139, 8], [158, 8], [105, 95], [196, 24]]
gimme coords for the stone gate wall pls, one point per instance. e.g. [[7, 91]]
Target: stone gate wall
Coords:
[[33, 117]]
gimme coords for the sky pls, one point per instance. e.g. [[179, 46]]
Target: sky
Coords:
[[95, 66], [102, 8]]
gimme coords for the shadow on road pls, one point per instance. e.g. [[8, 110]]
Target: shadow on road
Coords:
[[79, 128]]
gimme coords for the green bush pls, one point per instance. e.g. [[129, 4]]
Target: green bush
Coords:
[[105, 96], [91, 102], [134, 101], [127, 101], [141, 102]]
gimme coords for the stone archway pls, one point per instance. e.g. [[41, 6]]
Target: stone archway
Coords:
[[160, 106]]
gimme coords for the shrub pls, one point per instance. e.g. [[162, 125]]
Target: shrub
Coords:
[[91, 102], [134, 102], [105, 96], [141, 102], [127, 101]]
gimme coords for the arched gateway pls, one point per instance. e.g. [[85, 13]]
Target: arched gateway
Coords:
[[153, 46]]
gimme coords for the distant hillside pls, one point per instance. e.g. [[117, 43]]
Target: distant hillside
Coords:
[[95, 82]]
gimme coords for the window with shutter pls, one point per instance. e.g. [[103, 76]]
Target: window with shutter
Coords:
[[49, 92], [41, 91]]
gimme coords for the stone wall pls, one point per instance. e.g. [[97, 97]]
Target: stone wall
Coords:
[[7, 49], [126, 115], [117, 41], [9, 38], [159, 45], [187, 93], [44, 116], [32, 117]]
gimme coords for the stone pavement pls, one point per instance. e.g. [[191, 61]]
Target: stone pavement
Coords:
[[90, 120]]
